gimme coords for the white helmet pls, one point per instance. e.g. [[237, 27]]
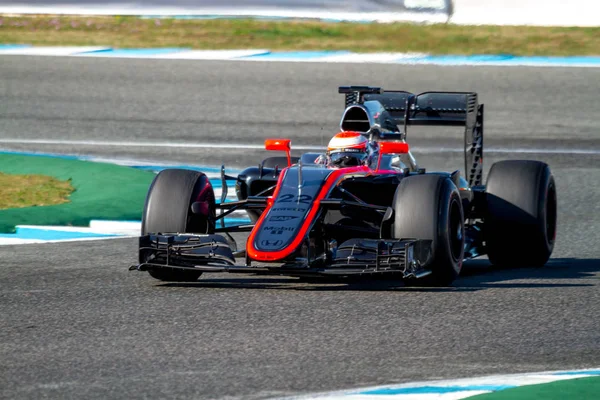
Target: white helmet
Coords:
[[348, 149]]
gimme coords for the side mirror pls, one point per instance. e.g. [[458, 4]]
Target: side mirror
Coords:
[[280, 145], [391, 148]]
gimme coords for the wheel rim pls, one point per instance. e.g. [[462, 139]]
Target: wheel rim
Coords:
[[456, 231], [205, 221], [551, 214]]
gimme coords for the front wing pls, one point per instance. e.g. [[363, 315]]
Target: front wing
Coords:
[[212, 253]]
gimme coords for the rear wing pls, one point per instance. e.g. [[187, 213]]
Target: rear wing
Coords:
[[426, 109]]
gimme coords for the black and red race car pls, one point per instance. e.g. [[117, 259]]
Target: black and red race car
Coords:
[[389, 218]]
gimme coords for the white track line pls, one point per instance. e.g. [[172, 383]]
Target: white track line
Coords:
[[246, 146]]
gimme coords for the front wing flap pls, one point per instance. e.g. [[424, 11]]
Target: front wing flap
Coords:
[[183, 251], [406, 256], [211, 253]]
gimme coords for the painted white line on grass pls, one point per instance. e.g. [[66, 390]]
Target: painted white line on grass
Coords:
[[247, 146]]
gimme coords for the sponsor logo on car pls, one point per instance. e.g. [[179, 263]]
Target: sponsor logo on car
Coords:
[[278, 228], [292, 209], [282, 218], [271, 243]]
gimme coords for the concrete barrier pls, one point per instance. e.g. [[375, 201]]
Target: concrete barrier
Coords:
[[466, 12], [340, 10], [527, 12]]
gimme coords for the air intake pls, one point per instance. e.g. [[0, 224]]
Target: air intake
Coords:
[[355, 119]]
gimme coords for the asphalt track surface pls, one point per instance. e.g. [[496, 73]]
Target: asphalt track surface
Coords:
[[76, 324]]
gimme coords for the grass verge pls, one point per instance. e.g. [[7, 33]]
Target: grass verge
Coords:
[[132, 32], [582, 388], [18, 191], [102, 191]]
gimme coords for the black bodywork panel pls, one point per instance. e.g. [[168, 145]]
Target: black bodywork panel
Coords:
[[291, 206]]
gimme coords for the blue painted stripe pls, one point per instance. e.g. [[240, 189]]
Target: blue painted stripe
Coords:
[[216, 184], [591, 60], [478, 59], [136, 52], [473, 58], [506, 59], [50, 234], [13, 46], [234, 221], [46, 234], [52, 155], [591, 372], [305, 55], [493, 59], [434, 389]]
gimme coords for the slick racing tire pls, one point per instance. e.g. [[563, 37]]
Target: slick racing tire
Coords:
[[520, 224], [168, 209], [429, 207], [279, 162]]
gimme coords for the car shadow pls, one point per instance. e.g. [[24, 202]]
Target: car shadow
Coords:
[[476, 275], [558, 272]]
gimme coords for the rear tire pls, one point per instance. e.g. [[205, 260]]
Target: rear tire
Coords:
[[168, 210], [429, 207], [520, 224]]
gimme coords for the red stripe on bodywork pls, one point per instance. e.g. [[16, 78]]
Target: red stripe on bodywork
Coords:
[[333, 178]]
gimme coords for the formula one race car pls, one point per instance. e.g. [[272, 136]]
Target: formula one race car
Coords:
[[381, 215]]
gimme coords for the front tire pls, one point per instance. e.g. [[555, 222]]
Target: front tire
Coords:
[[168, 210], [520, 224], [429, 207]]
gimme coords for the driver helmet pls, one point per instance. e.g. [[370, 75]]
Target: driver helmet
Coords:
[[348, 149]]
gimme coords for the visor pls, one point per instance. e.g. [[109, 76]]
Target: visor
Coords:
[[348, 157]]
